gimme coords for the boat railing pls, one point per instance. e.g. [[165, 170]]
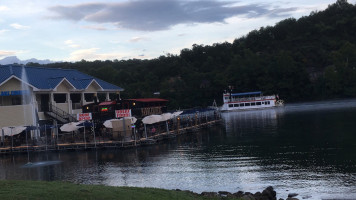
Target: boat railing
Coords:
[[261, 98]]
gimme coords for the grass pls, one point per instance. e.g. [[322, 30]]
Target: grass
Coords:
[[11, 189]]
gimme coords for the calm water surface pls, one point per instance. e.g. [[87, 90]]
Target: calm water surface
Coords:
[[306, 148]]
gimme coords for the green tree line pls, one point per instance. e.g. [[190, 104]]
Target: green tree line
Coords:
[[310, 58]]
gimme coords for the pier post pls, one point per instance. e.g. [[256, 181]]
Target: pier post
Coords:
[[85, 141], [167, 127], [135, 134], [12, 138], [28, 153], [2, 137], [55, 124], [93, 129], [45, 131]]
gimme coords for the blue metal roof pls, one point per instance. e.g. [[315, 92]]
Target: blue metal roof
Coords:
[[49, 78], [247, 93]]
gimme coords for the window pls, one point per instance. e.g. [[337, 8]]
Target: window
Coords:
[[258, 103], [60, 98], [236, 105], [247, 104], [16, 100], [231, 105], [75, 97], [242, 104], [253, 104], [89, 97]]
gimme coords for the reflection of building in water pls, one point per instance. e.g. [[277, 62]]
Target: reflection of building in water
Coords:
[[248, 121]]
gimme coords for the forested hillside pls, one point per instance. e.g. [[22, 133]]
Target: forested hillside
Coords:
[[310, 58]]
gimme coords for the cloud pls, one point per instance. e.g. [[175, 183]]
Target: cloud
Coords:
[[98, 28], [91, 55], [19, 26], [3, 31], [7, 53], [154, 15], [71, 44], [3, 8], [137, 39]]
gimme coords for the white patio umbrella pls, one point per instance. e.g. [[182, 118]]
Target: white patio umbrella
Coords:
[[108, 123], [69, 127], [10, 131], [166, 116], [151, 119], [133, 119], [175, 114]]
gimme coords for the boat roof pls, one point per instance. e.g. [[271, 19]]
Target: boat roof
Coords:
[[246, 93]]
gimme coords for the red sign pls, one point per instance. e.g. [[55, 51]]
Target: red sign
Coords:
[[123, 113], [84, 116]]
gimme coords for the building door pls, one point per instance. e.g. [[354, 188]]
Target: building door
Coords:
[[44, 102]]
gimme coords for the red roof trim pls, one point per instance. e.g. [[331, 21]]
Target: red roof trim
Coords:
[[107, 103], [147, 100]]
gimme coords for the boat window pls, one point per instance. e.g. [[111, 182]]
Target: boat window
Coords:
[[247, 104], [253, 104], [242, 104], [258, 103], [230, 105], [236, 105]]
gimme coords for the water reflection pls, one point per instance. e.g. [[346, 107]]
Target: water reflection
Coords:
[[304, 148], [250, 121]]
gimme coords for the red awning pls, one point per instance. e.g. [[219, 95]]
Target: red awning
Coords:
[[107, 103], [148, 100]]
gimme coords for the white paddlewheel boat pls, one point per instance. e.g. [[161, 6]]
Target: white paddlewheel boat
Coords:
[[249, 100]]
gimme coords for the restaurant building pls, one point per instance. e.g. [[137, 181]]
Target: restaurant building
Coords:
[[32, 94]]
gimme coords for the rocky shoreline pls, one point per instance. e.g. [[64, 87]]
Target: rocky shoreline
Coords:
[[267, 194]]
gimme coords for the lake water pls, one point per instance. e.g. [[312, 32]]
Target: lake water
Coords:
[[305, 148]]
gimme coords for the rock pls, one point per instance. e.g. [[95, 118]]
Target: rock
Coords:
[[224, 193], [238, 194], [259, 196], [248, 197], [248, 193], [209, 194], [292, 194], [269, 193]]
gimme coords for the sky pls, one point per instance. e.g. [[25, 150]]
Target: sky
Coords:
[[72, 30]]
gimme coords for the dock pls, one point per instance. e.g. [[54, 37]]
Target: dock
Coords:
[[76, 142]]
